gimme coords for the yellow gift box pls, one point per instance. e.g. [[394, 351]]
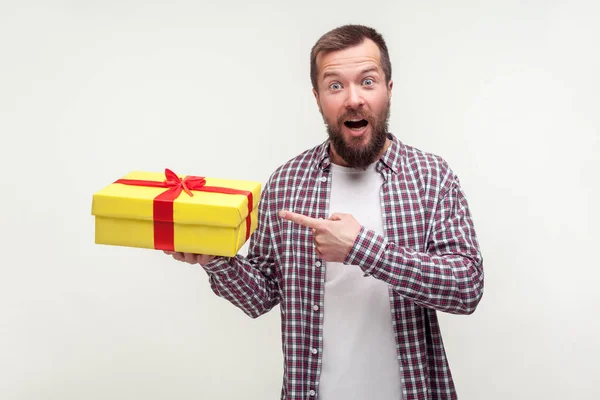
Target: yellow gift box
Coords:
[[167, 211]]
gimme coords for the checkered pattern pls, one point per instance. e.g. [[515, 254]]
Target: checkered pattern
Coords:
[[429, 256]]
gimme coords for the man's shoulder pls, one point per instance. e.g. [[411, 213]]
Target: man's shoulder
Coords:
[[425, 165], [299, 165], [416, 157]]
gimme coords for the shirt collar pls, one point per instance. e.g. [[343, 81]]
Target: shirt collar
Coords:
[[391, 158]]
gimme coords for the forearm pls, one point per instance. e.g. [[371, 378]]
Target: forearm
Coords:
[[451, 282], [242, 283]]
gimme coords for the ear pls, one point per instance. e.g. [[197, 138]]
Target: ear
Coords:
[[316, 94], [390, 86]]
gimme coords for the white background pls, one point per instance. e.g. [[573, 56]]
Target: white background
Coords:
[[506, 91]]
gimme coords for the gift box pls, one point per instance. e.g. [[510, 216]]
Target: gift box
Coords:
[[166, 211]]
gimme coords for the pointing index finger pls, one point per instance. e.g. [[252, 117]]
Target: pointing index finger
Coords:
[[301, 219]]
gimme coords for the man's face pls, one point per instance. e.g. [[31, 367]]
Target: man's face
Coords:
[[354, 100]]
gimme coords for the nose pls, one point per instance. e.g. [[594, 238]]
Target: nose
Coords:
[[354, 99]]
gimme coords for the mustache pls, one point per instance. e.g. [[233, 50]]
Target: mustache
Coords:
[[351, 114]]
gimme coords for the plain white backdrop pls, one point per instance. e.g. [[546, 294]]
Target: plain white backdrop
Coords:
[[506, 91]]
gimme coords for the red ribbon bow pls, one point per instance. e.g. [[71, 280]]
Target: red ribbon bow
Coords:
[[188, 183], [164, 227]]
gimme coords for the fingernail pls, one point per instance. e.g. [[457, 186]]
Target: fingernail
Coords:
[[282, 214]]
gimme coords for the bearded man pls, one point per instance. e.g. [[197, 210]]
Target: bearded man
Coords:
[[361, 241]]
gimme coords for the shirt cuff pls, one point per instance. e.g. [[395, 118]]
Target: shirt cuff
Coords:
[[218, 265], [367, 251]]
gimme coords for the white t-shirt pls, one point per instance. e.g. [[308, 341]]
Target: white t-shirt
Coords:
[[360, 360]]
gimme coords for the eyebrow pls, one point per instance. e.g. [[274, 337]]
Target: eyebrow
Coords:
[[330, 74], [370, 69]]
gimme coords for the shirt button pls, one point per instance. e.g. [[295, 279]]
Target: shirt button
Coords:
[[314, 351], [323, 179], [318, 264], [316, 307], [312, 393]]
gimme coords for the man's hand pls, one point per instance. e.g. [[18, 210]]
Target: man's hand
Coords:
[[190, 258], [333, 237]]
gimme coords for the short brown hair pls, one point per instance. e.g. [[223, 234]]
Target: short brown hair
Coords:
[[344, 37]]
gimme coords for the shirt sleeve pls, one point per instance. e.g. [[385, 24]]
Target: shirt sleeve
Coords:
[[448, 276], [249, 282]]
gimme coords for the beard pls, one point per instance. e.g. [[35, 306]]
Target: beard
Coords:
[[352, 152]]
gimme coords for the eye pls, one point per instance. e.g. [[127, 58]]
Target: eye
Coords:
[[335, 86], [368, 82]]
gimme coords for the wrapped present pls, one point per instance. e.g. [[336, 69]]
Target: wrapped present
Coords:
[[190, 214]]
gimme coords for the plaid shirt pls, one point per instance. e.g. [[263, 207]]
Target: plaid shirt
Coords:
[[429, 257]]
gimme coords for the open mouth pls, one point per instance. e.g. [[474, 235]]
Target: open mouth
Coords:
[[356, 124]]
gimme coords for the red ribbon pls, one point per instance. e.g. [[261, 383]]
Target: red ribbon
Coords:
[[164, 227]]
